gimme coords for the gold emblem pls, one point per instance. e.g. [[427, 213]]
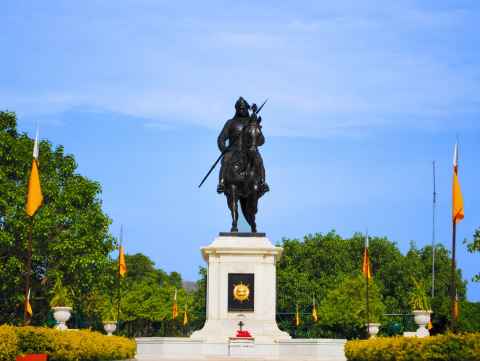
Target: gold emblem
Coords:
[[241, 292]]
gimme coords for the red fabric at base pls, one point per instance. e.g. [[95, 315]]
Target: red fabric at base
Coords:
[[243, 333]]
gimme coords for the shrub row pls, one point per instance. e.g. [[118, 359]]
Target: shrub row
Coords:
[[74, 345], [449, 347]]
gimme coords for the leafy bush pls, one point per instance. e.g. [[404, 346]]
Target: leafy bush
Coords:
[[61, 295], [451, 347], [8, 343], [418, 297], [73, 345]]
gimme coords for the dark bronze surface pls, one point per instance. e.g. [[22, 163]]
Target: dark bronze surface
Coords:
[[242, 174], [241, 234]]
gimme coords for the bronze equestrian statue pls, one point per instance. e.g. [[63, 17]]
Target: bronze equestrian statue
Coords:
[[242, 174]]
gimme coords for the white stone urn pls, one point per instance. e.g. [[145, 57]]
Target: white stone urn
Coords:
[[372, 329], [61, 315], [422, 318], [109, 327]]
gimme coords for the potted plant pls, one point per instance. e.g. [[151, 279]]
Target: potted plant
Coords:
[[421, 309], [61, 304], [109, 317], [373, 328]]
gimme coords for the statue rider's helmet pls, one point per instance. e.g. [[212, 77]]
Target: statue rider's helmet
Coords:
[[242, 107]]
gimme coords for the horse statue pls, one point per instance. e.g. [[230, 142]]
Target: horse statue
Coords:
[[242, 174]]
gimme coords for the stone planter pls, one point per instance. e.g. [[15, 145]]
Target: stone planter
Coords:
[[372, 329], [109, 327], [422, 318], [61, 315]]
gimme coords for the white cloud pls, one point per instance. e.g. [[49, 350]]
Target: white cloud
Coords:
[[332, 70]]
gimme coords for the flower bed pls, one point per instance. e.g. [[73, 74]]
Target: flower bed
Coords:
[[63, 345], [451, 347]]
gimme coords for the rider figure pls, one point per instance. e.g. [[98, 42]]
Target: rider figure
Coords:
[[233, 132]]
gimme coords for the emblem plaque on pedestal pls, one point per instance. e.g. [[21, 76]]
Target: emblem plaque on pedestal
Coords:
[[241, 292]]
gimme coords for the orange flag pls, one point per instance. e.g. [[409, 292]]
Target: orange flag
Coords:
[[456, 312], [314, 311], [28, 306], [366, 261], [34, 196], [297, 316], [122, 265], [457, 201]]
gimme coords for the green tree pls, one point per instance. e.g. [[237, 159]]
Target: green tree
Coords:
[[344, 310], [474, 246], [316, 266], [146, 300], [70, 231]]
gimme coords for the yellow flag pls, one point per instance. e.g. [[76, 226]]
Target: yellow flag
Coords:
[[174, 306], [314, 313], [457, 201], [122, 265], [366, 261], [297, 317], [28, 307], [185, 316], [456, 312], [34, 196]]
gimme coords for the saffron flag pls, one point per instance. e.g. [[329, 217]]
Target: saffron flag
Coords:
[[297, 317], [456, 312], [314, 311], [366, 261], [185, 316], [457, 201], [34, 196], [174, 306], [122, 265], [28, 306]]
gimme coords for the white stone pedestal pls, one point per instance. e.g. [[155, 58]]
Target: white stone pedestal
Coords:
[[255, 255], [216, 340]]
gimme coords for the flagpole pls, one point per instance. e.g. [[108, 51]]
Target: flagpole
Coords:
[[366, 281], [119, 294], [453, 284], [26, 317], [433, 230]]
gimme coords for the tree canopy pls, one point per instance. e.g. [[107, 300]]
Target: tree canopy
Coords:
[[326, 266], [72, 245], [473, 247], [70, 234]]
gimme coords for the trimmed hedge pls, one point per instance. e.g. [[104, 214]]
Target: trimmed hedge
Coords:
[[449, 347], [8, 343], [74, 345]]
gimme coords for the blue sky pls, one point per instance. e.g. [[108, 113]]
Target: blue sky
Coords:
[[363, 96]]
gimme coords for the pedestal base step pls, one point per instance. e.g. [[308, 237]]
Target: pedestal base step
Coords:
[[186, 349]]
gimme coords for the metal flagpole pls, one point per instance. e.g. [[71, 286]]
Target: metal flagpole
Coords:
[[367, 281], [433, 230], [119, 294], [453, 291]]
